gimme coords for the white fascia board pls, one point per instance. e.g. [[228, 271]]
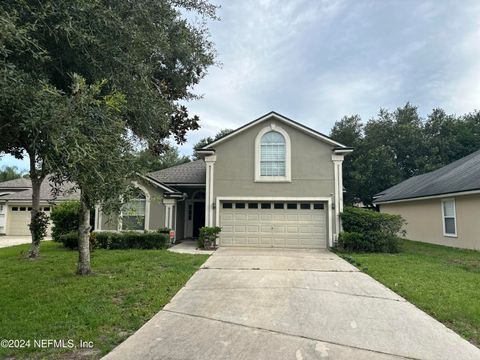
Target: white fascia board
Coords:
[[439, 196], [280, 118], [157, 183]]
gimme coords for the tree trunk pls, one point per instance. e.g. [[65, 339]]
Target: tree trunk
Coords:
[[83, 267], [36, 184]]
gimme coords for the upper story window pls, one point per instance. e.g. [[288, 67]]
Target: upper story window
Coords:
[[272, 155], [449, 217], [133, 212]]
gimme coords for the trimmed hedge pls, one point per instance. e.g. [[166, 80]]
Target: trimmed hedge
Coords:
[[65, 218], [120, 240], [369, 231], [131, 240], [69, 240]]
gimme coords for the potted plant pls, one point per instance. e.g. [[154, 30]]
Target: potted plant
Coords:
[[208, 237]]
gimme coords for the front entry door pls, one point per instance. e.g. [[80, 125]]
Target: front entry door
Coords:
[[198, 217]]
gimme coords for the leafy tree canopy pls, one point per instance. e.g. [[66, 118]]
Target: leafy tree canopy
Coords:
[[396, 145], [207, 140], [149, 161], [10, 173]]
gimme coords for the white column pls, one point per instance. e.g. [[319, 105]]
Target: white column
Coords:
[[97, 218], [210, 163], [5, 217], [338, 191], [169, 203]]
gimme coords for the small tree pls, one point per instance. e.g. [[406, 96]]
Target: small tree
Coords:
[[95, 154], [146, 49]]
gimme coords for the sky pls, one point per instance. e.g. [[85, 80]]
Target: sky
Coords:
[[316, 61]]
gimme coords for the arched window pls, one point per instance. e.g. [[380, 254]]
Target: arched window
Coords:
[[133, 212], [272, 154]]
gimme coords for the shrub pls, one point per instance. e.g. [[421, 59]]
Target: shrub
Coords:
[[131, 240], [164, 230], [65, 218], [69, 240], [119, 240], [39, 225], [208, 237], [370, 231]]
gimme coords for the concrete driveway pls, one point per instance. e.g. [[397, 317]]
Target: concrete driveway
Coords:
[[289, 304], [7, 240]]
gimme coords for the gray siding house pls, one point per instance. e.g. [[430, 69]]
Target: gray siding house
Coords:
[[271, 183]]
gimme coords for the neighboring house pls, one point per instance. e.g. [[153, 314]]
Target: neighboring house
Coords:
[[271, 183], [440, 207], [16, 204]]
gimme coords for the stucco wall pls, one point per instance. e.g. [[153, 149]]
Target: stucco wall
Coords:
[[312, 172], [424, 220], [157, 209]]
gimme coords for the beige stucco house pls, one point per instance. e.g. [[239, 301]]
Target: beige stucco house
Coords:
[[440, 207], [271, 183], [16, 204]]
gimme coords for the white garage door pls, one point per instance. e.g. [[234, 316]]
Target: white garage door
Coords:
[[274, 224], [19, 218]]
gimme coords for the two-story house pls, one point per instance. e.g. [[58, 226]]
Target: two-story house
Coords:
[[270, 183]]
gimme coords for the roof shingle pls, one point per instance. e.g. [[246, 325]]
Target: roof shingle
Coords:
[[16, 183], [188, 173], [461, 175], [46, 193]]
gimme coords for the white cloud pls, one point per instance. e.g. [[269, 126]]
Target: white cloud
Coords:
[[316, 61]]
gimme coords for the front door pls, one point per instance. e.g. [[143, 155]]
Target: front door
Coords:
[[198, 217]]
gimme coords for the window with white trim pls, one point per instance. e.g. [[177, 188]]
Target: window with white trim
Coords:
[[133, 212], [272, 154], [449, 217]]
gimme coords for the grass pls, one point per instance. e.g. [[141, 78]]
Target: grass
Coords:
[[44, 299], [442, 281]]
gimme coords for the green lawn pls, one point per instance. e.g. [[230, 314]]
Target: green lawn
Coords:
[[44, 299], [442, 281]]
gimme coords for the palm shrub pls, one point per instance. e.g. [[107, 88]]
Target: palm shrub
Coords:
[[370, 231]]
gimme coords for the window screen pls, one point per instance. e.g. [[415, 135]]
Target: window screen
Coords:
[[272, 154]]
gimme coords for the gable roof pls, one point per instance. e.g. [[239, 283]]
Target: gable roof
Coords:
[[46, 194], [193, 172], [460, 176], [281, 118]]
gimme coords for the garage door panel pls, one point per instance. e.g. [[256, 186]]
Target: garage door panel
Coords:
[[278, 230], [240, 228], [18, 220], [240, 217], [227, 228], [273, 227], [227, 216]]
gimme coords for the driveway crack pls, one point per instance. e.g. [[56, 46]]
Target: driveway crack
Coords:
[[295, 287], [270, 269], [288, 334]]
